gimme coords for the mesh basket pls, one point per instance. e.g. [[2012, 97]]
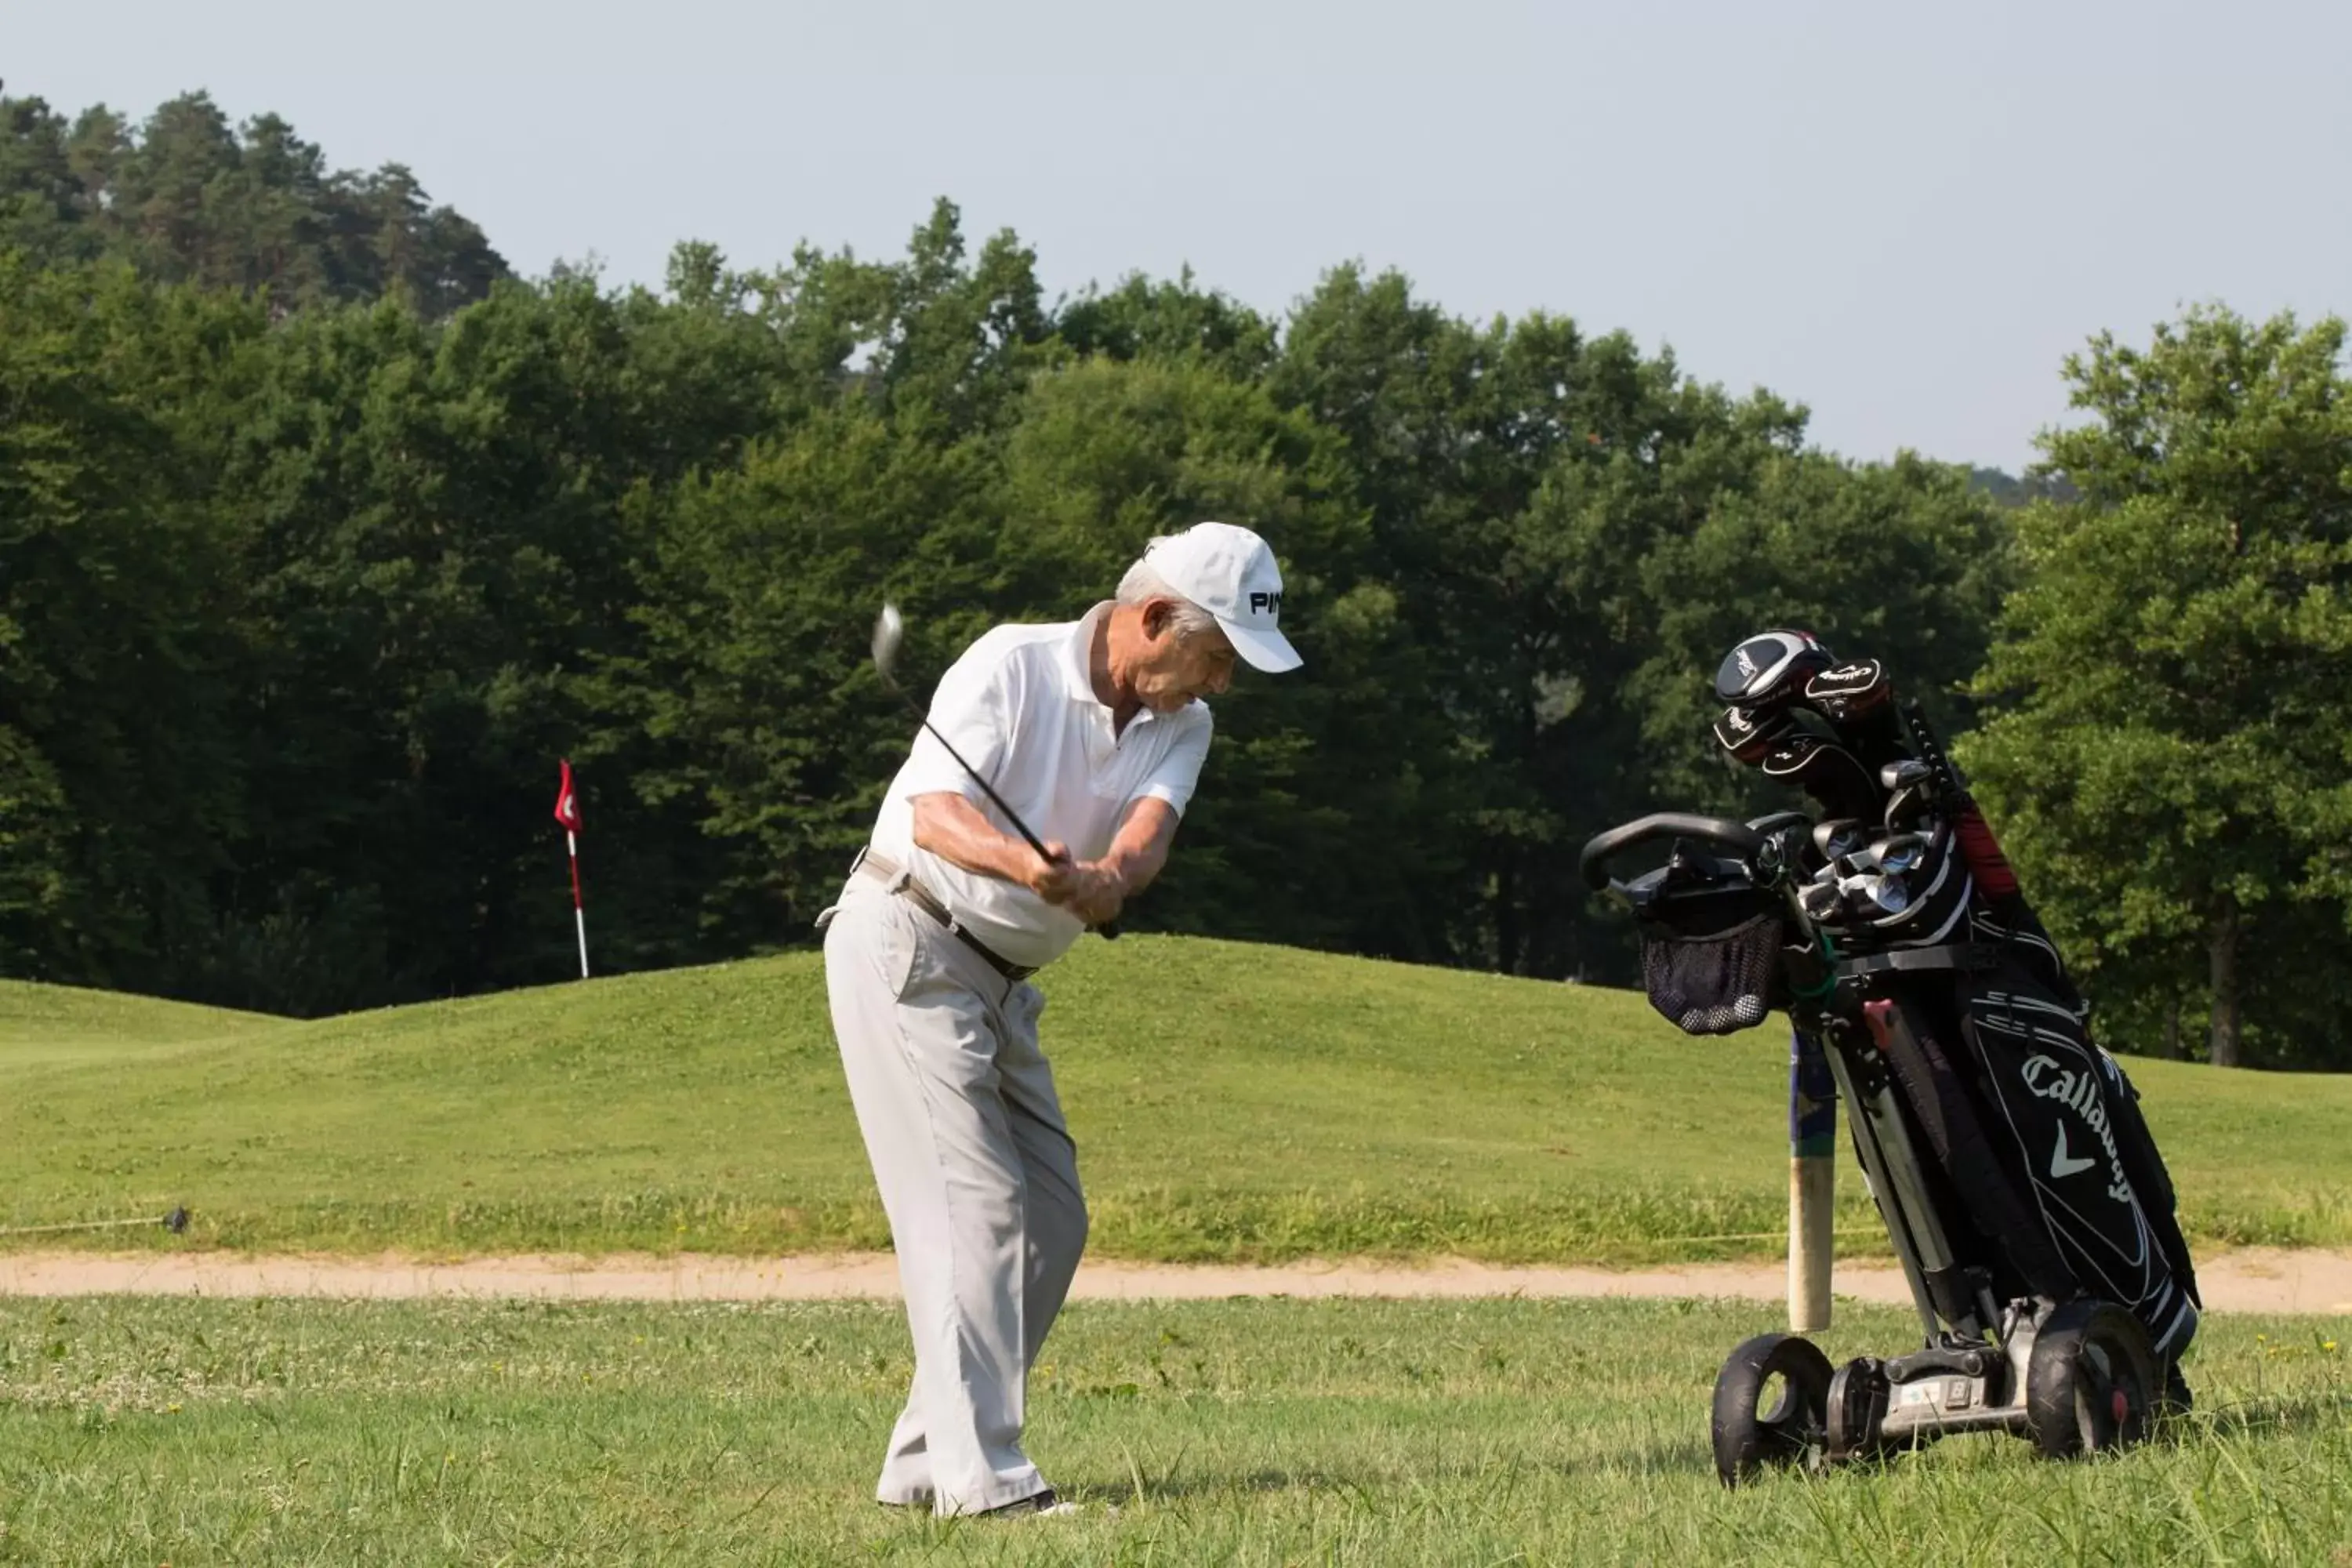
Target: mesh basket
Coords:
[[1716, 983]]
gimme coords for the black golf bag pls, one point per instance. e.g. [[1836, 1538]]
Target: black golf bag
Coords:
[[2005, 1149]]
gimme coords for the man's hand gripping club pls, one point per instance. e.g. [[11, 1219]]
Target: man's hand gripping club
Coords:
[[950, 826]]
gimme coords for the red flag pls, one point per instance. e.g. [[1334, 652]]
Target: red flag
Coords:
[[567, 804], [567, 812]]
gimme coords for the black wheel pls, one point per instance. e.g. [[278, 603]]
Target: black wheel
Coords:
[[1771, 1405], [2091, 1382]]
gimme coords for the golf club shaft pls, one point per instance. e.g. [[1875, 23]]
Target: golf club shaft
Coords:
[[1812, 1183], [165, 1221], [1009, 814]]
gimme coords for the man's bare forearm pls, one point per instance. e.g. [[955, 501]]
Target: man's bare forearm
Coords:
[[952, 828], [1140, 852]]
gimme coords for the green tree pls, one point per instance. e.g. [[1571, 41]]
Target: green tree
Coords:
[[187, 197], [2169, 754], [438, 538], [116, 653], [741, 716], [417, 531], [962, 335], [44, 205], [1311, 823], [1453, 431], [1897, 561], [1575, 533], [1170, 322], [765, 732]]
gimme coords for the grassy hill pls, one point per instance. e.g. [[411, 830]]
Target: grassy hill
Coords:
[[1229, 1101]]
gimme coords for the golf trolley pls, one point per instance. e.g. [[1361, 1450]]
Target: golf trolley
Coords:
[[2024, 1199]]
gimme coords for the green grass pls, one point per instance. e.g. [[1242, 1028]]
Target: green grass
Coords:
[[1255, 1432], [1229, 1101]]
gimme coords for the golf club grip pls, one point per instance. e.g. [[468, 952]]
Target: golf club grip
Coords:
[[1979, 849]]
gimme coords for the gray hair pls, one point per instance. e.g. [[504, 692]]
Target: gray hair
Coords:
[[1144, 583]]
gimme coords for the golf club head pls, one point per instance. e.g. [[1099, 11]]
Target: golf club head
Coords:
[[1837, 838], [1902, 775], [1768, 670], [1871, 896], [1906, 807], [1890, 893], [889, 630], [1900, 853], [1821, 901]]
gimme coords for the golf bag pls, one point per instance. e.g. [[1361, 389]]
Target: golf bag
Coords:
[[2005, 1149]]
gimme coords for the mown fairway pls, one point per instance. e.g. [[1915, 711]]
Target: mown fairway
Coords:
[[1254, 1432], [1230, 1102]]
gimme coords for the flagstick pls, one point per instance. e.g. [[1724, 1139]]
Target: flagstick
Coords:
[[579, 915]]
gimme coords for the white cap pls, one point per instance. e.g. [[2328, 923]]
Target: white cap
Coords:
[[1230, 572]]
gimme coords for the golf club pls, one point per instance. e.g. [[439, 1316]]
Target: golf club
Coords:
[[889, 630], [1907, 808], [1821, 901], [1901, 852], [175, 1222], [1872, 895], [1837, 838]]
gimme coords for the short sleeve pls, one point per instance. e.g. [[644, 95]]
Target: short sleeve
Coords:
[[972, 707], [1180, 770]]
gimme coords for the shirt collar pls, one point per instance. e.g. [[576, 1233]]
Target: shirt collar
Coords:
[[1077, 650]]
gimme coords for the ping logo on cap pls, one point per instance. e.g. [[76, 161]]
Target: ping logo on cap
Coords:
[[1265, 604]]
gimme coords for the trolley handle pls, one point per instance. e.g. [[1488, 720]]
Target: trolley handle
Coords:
[[1737, 836]]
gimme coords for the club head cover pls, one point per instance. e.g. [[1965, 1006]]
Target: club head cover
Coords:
[[1826, 771], [1748, 736], [1858, 701], [1846, 691], [1769, 671]]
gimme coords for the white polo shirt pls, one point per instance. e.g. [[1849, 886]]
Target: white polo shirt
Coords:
[[1020, 706]]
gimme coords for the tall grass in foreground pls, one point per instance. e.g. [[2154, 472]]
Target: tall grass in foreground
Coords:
[[1245, 1432]]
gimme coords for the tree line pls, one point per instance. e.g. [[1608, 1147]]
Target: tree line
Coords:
[[186, 197], [312, 565]]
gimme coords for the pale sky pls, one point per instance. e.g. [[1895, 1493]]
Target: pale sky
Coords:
[[1902, 216]]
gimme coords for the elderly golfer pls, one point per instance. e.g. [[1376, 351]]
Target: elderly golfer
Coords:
[[1093, 731]]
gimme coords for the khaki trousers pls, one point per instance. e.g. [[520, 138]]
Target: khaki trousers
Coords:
[[978, 1175]]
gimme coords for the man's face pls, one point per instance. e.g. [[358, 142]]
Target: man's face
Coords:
[[1174, 670]]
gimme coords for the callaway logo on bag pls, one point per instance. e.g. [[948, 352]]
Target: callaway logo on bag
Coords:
[[2079, 1092]]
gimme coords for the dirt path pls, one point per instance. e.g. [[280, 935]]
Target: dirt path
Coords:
[[2254, 1279]]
